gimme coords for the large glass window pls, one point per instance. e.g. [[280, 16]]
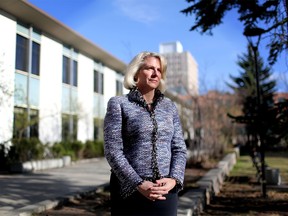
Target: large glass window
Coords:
[[119, 88], [98, 82], [67, 73], [22, 123], [66, 70], [98, 129], [22, 53], [69, 127], [35, 58]]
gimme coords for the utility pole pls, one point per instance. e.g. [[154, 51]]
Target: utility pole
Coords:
[[254, 48]]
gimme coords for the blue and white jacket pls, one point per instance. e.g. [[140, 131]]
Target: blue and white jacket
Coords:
[[142, 144]]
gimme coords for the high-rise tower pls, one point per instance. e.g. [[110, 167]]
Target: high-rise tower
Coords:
[[182, 71]]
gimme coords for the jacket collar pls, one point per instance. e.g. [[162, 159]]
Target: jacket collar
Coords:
[[135, 96]]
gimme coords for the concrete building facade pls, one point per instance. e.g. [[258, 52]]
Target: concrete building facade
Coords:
[[54, 84], [182, 72]]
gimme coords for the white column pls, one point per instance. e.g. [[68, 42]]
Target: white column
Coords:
[[85, 98], [7, 75], [50, 91]]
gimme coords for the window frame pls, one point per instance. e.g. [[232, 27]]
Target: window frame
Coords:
[[69, 67], [98, 85], [22, 53], [28, 53], [119, 87]]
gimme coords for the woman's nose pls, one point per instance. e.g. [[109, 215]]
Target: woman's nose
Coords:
[[154, 73]]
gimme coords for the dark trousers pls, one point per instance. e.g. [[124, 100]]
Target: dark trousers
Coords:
[[138, 205]]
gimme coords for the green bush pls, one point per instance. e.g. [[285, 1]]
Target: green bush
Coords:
[[93, 148], [58, 150], [99, 147], [68, 148], [3, 157], [25, 149], [77, 147]]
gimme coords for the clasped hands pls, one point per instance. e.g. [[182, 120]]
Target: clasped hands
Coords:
[[157, 190]]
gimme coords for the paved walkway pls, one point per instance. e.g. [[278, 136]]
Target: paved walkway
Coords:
[[25, 192]]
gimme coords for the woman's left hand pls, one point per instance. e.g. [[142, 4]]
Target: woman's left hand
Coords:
[[165, 185]]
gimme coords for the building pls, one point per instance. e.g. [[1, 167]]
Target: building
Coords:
[[54, 83], [182, 72], [280, 97]]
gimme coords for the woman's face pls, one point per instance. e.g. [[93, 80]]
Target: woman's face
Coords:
[[149, 75]]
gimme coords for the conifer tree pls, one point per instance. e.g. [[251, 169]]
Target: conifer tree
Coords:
[[257, 113], [267, 18]]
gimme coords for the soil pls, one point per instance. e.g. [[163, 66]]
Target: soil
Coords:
[[238, 196], [241, 195]]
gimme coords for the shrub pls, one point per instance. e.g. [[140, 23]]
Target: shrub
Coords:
[[68, 148], [25, 149], [93, 148], [3, 158], [58, 150], [77, 147]]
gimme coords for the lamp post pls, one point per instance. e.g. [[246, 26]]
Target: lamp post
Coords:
[[250, 33]]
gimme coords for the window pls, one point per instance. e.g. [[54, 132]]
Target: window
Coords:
[[34, 127], [21, 123], [35, 58], [98, 82], [66, 70], [96, 132], [69, 127], [22, 55], [66, 74], [75, 73], [119, 88], [98, 129]]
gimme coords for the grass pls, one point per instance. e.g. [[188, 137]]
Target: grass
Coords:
[[279, 160], [242, 195]]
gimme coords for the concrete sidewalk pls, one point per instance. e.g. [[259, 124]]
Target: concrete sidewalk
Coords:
[[25, 194], [21, 194]]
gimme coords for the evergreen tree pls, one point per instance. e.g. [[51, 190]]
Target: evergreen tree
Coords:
[[267, 17], [258, 116]]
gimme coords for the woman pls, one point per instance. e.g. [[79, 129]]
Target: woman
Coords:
[[144, 144]]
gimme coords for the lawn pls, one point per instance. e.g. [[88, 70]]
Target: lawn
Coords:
[[279, 160], [241, 194]]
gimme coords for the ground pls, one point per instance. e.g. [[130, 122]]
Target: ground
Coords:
[[239, 196], [243, 196]]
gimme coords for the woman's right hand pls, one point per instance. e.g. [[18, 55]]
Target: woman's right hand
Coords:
[[145, 190]]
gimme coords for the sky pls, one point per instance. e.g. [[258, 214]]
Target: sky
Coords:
[[126, 27]]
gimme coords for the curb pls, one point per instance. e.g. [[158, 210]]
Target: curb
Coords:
[[38, 165], [49, 204], [192, 202]]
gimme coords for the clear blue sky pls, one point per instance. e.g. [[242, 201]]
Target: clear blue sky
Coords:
[[126, 27]]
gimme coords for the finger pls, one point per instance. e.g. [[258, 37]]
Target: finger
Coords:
[[160, 197], [154, 196], [158, 190]]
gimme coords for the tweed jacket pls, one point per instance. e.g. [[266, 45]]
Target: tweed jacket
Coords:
[[142, 144]]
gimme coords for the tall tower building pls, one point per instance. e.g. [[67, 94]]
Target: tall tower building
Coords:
[[182, 71]]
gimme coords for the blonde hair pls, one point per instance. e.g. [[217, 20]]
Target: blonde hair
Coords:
[[136, 64]]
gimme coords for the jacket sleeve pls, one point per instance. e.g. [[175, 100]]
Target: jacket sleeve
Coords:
[[113, 149], [179, 152]]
